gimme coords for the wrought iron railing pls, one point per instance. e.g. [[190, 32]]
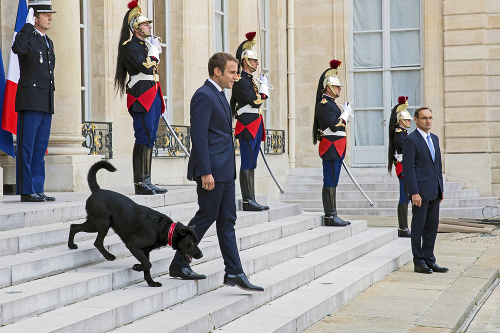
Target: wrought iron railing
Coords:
[[275, 142], [167, 146], [98, 137]]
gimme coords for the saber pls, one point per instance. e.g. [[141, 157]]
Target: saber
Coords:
[[164, 116], [271, 171], [356, 184]]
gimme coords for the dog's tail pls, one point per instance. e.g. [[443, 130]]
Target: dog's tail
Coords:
[[91, 178]]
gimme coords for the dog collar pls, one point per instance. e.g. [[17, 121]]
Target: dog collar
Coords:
[[170, 234]]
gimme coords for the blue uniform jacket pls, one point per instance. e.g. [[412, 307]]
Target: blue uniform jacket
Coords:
[[327, 113], [35, 89], [212, 149], [421, 174]]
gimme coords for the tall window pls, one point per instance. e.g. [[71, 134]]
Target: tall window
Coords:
[[264, 50], [386, 62], [220, 25], [159, 11], [85, 60]]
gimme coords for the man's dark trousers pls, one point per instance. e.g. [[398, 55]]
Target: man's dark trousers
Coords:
[[424, 226], [217, 205], [33, 130]]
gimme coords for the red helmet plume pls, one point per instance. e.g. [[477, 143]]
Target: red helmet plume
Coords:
[[402, 99], [133, 4], [250, 35], [335, 63]]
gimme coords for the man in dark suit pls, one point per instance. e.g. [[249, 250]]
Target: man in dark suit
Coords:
[[212, 165], [424, 182], [34, 100]]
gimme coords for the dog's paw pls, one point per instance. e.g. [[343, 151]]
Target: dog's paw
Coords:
[[110, 257], [138, 267], [73, 246], [155, 284]]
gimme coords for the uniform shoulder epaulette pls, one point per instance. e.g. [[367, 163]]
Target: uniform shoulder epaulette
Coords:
[[324, 101], [398, 130]]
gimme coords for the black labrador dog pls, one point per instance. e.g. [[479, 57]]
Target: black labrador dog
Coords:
[[141, 228]]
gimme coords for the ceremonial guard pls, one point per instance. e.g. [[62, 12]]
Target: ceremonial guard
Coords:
[[246, 102], [400, 121], [329, 129], [34, 100], [139, 56]]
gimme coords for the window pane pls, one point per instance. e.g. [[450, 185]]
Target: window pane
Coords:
[[369, 128], [405, 48], [368, 50], [218, 5], [406, 83], [82, 58], [368, 90], [367, 15], [405, 14], [219, 30]]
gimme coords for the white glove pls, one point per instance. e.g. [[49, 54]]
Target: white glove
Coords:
[[347, 112], [156, 43], [264, 85], [31, 17], [152, 50]]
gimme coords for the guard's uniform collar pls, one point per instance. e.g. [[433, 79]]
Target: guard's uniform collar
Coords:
[[402, 129], [244, 73], [39, 32], [328, 98], [138, 40]]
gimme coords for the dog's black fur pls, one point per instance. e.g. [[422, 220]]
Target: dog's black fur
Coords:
[[142, 229]]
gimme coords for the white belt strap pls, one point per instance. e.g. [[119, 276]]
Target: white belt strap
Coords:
[[140, 77], [247, 109], [328, 131]]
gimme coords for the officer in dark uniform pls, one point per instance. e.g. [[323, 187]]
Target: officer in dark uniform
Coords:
[[400, 121], [139, 56], [34, 100], [246, 102], [329, 129]]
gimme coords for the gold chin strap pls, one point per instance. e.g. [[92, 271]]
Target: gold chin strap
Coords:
[[245, 58], [333, 91]]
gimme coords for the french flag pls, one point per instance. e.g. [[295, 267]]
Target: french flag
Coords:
[[9, 115], [6, 140]]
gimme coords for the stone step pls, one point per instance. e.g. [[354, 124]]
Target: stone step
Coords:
[[344, 178], [289, 196], [367, 187], [462, 212], [22, 267], [219, 307], [122, 306], [69, 287], [356, 172], [29, 238], [15, 214], [322, 296], [315, 202]]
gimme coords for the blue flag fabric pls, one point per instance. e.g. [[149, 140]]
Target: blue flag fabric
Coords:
[[6, 139]]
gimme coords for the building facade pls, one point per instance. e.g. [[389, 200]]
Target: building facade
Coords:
[[440, 53]]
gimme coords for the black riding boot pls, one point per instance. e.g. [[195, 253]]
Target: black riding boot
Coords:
[[248, 191], [403, 230], [139, 167], [329, 195], [149, 158]]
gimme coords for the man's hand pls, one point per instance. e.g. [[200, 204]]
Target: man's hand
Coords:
[[31, 17], [346, 113], [152, 50], [442, 197], [207, 182], [416, 200]]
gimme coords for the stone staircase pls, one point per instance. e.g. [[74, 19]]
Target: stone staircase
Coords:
[[307, 270], [304, 187]]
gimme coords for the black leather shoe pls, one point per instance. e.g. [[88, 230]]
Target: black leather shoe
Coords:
[[241, 281], [32, 198], [185, 273], [335, 221], [422, 268], [438, 269], [250, 205], [404, 233], [46, 197], [144, 189], [157, 189]]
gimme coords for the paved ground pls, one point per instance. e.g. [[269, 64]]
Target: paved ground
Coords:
[[416, 303]]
